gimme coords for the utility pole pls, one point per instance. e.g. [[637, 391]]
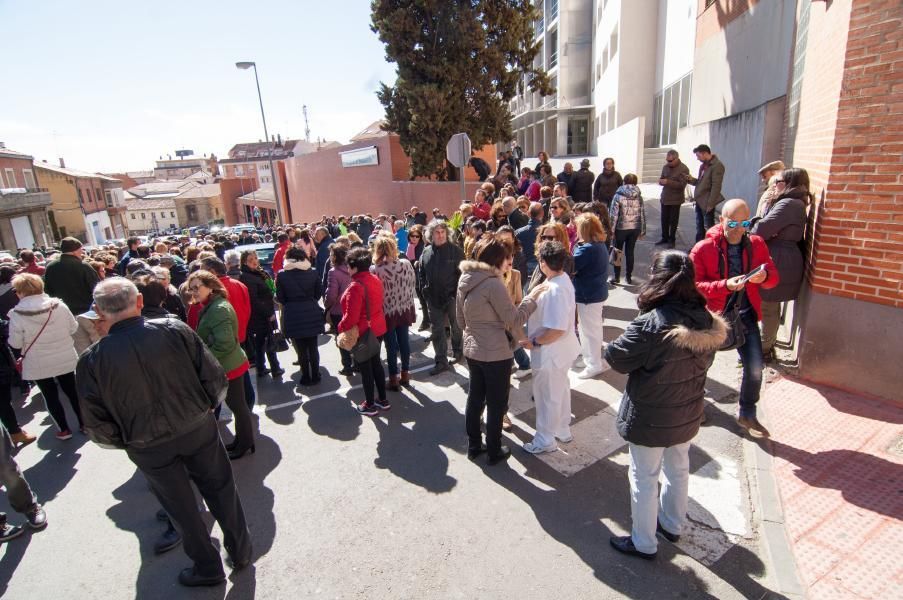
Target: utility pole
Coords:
[[306, 124]]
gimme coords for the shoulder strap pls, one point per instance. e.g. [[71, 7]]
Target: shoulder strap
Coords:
[[43, 327]]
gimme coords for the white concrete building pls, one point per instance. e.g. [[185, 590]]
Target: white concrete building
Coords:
[[152, 215]]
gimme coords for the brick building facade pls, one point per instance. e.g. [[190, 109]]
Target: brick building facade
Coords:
[[849, 136]]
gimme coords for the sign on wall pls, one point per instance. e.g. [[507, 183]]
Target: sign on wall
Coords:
[[361, 157]]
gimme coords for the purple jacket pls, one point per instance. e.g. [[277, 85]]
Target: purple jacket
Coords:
[[337, 282]]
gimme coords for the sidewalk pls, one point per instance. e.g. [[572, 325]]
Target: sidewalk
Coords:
[[838, 466]]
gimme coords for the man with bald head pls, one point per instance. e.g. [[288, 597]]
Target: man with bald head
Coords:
[[721, 260]]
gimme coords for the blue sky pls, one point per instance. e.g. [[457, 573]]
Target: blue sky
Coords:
[[112, 85]]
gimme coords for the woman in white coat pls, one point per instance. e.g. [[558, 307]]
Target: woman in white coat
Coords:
[[41, 328], [554, 348]]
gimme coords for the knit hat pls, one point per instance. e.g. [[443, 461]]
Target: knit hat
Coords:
[[775, 165], [70, 244]]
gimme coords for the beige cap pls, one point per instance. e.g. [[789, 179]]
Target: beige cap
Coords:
[[775, 165]]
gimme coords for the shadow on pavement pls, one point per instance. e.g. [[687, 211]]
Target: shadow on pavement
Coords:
[[50, 475], [864, 480], [13, 553], [415, 453], [563, 512]]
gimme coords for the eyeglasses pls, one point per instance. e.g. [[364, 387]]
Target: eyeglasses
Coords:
[[735, 224], [413, 237], [549, 238]]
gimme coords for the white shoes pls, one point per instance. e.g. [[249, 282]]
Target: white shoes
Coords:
[[565, 440], [588, 373], [534, 449], [522, 373]]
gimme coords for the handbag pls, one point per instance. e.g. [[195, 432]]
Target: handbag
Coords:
[[367, 345], [615, 256], [277, 341], [736, 330], [21, 360]]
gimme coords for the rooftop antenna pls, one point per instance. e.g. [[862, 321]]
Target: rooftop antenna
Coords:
[[306, 124]]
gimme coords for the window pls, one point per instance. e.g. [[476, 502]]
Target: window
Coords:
[[671, 111], [133, 216], [109, 198], [81, 200], [29, 178], [97, 194], [578, 135], [11, 178], [142, 216], [239, 171], [611, 117], [613, 43], [553, 49], [172, 214]]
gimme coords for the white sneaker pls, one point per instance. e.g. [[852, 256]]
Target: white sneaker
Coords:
[[534, 449], [589, 374], [565, 440]]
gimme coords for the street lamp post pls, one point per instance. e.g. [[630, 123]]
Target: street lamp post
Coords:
[[247, 65]]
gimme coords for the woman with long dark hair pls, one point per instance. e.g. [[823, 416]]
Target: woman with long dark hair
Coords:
[[783, 227], [666, 352], [362, 307]]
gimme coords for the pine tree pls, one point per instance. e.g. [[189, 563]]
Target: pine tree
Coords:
[[459, 64]]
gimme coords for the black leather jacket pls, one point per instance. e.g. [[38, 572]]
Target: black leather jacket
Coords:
[[440, 268], [666, 353], [147, 382]]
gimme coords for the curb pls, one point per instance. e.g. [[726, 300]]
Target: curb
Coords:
[[774, 540]]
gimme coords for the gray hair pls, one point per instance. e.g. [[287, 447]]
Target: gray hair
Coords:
[[161, 273], [167, 260], [115, 295], [433, 226], [232, 258]]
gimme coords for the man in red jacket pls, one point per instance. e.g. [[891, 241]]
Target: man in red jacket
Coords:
[[279, 256], [721, 259]]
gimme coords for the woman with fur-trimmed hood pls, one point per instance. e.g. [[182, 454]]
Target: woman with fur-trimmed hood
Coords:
[[666, 352]]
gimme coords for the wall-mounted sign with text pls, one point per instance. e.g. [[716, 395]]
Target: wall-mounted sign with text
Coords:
[[361, 157]]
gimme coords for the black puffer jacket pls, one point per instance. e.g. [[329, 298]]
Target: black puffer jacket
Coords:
[[666, 353], [146, 383], [263, 309], [7, 361]]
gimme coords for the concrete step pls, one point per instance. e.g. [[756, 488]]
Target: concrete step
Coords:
[[653, 159]]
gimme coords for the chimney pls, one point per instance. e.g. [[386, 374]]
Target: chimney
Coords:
[[272, 139], [279, 138], [62, 163], [2, 145]]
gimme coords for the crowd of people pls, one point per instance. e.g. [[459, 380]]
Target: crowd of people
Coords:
[[514, 283]]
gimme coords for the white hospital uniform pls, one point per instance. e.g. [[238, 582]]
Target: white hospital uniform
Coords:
[[550, 362]]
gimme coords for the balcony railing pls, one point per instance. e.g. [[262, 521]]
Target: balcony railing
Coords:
[[553, 59], [23, 202], [553, 10]]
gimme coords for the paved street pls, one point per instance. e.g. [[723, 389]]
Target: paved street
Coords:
[[344, 506]]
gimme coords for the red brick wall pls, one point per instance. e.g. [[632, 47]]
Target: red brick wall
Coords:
[[317, 184], [230, 189], [18, 165], [858, 240], [90, 202]]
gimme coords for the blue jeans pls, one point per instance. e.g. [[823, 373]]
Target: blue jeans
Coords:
[[522, 358], [751, 357], [704, 222], [397, 340]]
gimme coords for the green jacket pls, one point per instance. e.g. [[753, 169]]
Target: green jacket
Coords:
[[218, 327], [72, 281]]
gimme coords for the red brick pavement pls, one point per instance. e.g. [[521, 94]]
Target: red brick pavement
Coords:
[[838, 462]]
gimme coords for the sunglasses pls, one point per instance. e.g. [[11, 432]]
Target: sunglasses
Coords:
[[413, 237], [780, 181], [549, 238], [743, 224]]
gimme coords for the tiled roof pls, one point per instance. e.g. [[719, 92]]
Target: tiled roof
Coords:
[[150, 204], [162, 187], [10, 153], [72, 172], [203, 190]]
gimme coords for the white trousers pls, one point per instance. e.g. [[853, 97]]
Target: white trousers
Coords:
[[552, 394], [646, 504], [589, 325]]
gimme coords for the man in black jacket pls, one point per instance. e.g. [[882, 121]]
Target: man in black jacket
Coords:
[[439, 272], [582, 183], [70, 279], [160, 412]]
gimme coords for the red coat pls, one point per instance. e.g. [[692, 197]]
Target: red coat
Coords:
[[709, 258], [354, 309], [279, 257], [241, 304], [482, 210], [33, 268]]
